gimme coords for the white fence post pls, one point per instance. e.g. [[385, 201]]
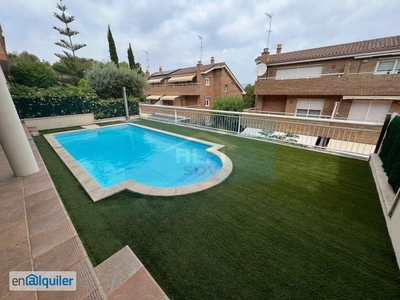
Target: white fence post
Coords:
[[176, 117], [238, 130]]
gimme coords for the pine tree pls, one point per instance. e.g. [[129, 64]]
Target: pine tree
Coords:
[[131, 58], [67, 32], [111, 47]]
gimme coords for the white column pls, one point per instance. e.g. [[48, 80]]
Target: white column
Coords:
[[12, 135]]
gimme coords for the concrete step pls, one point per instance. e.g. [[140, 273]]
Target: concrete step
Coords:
[[123, 276]]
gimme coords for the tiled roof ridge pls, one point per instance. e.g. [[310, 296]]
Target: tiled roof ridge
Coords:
[[188, 70], [360, 47]]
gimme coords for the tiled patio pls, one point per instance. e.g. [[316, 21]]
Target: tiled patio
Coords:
[[36, 233]]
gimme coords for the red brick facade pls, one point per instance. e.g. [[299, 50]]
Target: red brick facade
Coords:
[[4, 62], [221, 80], [343, 76]]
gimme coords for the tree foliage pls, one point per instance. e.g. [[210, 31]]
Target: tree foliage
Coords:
[[249, 99], [230, 103], [107, 80], [131, 59], [111, 47], [68, 45], [28, 70], [71, 69]]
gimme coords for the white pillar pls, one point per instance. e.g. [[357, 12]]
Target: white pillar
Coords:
[[12, 135]]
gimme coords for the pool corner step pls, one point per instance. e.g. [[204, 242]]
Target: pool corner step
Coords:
[[123, 276]]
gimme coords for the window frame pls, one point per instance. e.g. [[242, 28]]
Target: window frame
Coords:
[[207, 81], [207, 102], [226, 88], [309, 109], [396, 66]]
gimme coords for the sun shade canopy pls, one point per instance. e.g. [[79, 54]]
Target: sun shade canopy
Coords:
[[169, 97], [371, 98], [156, 80], [153, 97], [182, 78]]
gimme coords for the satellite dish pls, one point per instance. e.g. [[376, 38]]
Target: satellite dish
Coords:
[[260, 69]]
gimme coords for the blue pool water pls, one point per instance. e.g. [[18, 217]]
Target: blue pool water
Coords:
[[112, 155]]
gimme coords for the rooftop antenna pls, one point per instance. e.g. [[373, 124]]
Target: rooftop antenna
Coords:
[[269, 29], [201, 47], [147, 60]]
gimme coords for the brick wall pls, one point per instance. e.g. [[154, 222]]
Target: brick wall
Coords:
[[274, 103]]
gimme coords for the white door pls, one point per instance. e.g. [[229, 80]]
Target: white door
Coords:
[[369, 110]]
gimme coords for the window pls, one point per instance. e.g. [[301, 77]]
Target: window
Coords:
[[388, 67], [299, 72], [369, 110], [226, 88], [309, 108], [207, 102], [207, 81]]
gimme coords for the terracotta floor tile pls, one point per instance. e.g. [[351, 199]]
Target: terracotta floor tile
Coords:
[[13, 235], [40, 196], [45, 221], [56, 235], [140, 286], [60, 257], [42, 208], [85, 279], [5, 292], [39, 180], [30, 190], [14, 255]]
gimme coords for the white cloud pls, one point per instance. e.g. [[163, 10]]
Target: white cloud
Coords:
[[233, 31]]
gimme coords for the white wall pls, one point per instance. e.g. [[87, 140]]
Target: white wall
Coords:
[[60, 121], [387, 199]]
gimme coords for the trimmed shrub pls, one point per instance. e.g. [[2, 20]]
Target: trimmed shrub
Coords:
[[59, 101], [390, 153]]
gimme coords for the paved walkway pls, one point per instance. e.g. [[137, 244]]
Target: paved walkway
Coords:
[[36, 233]]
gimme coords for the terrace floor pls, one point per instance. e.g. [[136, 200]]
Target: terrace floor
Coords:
[[288, 223]]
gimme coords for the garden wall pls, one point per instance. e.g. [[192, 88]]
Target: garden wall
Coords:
[[60, 121]]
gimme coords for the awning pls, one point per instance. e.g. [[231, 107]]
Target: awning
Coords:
[[182, 78], [156, 80], [390, 98], [153, 97], [169, 97]]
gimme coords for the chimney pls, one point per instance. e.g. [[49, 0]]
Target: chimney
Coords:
[[264, 58], [212, 60], [160, 69], [147, 74], [279, 49], [198, 71]]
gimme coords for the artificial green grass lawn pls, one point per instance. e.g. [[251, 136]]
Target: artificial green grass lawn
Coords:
[[287, 224]]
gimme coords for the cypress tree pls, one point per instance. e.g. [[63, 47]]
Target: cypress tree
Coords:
[[131, 58], [111, 47]]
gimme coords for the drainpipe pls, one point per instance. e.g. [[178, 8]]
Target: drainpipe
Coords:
[[12, 135]]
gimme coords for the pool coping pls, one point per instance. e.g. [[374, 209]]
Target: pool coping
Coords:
[[97, 192]]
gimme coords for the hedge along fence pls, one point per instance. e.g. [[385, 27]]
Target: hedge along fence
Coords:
[[60, 101], [390, 153]]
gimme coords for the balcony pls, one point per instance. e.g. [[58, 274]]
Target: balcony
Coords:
[[366, 84], [184, 89]]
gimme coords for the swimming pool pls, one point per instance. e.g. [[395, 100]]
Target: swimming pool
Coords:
[[141, 159]]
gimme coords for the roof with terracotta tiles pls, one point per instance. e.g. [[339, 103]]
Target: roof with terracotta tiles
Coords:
[[355, 48], [189, 70]]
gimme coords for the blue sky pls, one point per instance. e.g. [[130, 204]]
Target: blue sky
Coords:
[[233, 31]]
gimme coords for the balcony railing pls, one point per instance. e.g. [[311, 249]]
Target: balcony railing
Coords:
[[173, 84], [344, 137]]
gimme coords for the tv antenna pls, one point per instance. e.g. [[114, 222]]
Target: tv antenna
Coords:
[[269, 29], [147, 60], [201, 47]]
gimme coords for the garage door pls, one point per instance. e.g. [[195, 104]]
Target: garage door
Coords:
[[369, 110]]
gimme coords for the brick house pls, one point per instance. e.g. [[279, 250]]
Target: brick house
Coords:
[[357, 81], [4, 61], [197, 86]]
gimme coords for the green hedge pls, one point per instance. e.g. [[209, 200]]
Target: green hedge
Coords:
[[390, 153], [59, 101]]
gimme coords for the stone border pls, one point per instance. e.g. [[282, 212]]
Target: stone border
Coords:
[[385, 191], [97, 192]]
